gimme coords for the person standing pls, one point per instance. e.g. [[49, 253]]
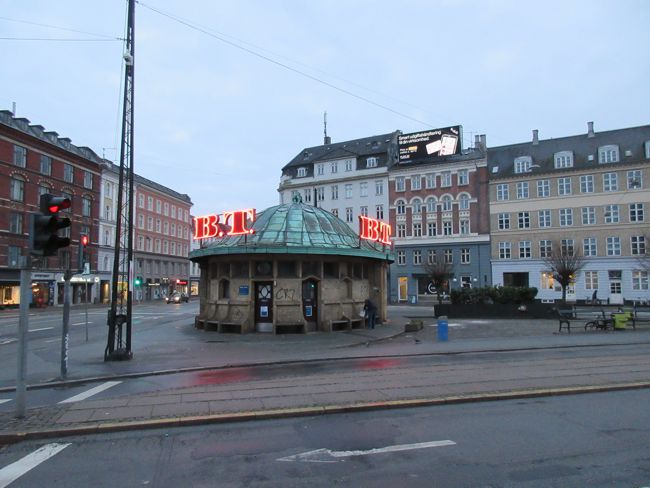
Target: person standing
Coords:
[[371, 313]]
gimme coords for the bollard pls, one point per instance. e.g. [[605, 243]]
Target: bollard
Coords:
[[443, 329]]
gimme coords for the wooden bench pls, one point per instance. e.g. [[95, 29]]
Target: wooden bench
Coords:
[[289, 328], [640, 315], [359, 323], [594, 318], [340, 324]]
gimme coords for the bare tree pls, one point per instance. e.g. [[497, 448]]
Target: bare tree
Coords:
[[565, 264], [439, 272]]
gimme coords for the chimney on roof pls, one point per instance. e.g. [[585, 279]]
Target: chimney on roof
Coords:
[[477, 141], [326, 139], [535, 137], [483, 143], [590, 129]]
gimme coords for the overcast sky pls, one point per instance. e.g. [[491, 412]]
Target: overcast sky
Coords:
[[218, 120]]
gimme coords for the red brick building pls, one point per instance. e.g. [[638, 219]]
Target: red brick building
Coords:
[[34, 161]]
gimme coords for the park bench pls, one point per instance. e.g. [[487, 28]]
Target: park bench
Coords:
[[593, 318], [289, 328], [340, 324], [640, 315]]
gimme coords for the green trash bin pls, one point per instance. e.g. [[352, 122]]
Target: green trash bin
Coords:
[[620, 319]]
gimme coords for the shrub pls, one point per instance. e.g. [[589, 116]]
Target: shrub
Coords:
[[493, 294]]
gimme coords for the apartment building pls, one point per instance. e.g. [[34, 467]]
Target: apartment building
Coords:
[[347, 178], [587, 194], [34, 161], [439, 213]]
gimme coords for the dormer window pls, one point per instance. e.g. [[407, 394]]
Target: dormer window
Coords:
[[302, 172], [563, 159], [371, 162], [523, 164], [608, 154]]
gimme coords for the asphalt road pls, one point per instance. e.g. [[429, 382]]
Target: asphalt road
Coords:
[[597, 440]]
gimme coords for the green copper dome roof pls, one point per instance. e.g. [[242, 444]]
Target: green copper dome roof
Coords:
[[296, 228]]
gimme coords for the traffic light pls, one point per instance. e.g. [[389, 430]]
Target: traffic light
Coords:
[[45, 225], [84, 240], [138, 281]]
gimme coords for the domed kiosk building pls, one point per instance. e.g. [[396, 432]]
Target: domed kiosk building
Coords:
[[290, 268]]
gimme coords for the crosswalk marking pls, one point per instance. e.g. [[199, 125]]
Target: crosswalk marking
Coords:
[[91, 392], [11, 473], [4, 400]]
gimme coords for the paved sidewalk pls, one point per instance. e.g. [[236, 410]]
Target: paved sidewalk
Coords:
[[380, 381]]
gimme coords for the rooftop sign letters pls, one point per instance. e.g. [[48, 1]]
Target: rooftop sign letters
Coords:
[[374, 230], [233, 223], [429, 144]]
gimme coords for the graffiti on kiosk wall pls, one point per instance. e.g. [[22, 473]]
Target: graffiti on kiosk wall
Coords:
[[285, 294], [233, 223]]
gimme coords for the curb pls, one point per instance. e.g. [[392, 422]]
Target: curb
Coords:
[[110, 427]]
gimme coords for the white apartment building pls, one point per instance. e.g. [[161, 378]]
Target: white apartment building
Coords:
[[347, 178]]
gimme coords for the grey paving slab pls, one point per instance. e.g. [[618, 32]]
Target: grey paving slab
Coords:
[[181, 409]]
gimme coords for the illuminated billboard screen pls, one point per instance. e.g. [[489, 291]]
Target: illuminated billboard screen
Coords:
[[430, 144]]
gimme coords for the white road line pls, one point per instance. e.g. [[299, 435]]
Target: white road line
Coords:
[[91, 392], [7, 341], [4, 400], [42, 328], [11, 473], [80, 323], [327, 456]]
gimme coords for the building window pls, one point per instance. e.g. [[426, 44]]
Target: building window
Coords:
[[610, 182], [504, 221], [159, 208], [401, 258], [522, 190], [563, 159], [464, 227], [591, 280], [589, 246], [16, 223], [158, 228], [636, 212], [544, 218], [547, 282], [43, 189], [545, 248], [463, 177], [307, 197], [320, 169], [503, 192], [446, 228], [13, 256], [320, 193], [431, 229], [335, 192], [634, 179], [150, 206], [564, 186], [88, 180], [463, 201], [401, 230], [150, 224], [301, 172], [335, 212], [68, 173], [400, 184], [587, 184], [379, 210], [446, 203], [524, 250], [379, 187], [334, 168], [364, 211], [17, 189], [430, 180], [416, 182], [567, 247], [523, 164], [20, 156], [608, 154], [363, 189], [639, 280], [348, 215], [613, 246], [371, 162], [445, 179], [86, 207], [543, 188], [348, 165], [523, 220], [46, 165], [612, 215], [431, 256], [449, 256], [417, 206], [166, 209], [141, 200], [417, 230], [638, 245], [588, 215], [464, 256], [504, 250], [566, 217], [417, 257], [401, 207], [431, 204], [348, 190]]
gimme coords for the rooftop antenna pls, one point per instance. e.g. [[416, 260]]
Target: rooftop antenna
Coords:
[[326, 139]]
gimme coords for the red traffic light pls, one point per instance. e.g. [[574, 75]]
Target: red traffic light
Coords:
[[51, 205], [84, 240]]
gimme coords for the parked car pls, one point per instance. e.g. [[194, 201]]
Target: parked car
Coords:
[[177, 297]]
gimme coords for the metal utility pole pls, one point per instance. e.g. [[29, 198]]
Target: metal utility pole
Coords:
[[23, 325], [118, 346]]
